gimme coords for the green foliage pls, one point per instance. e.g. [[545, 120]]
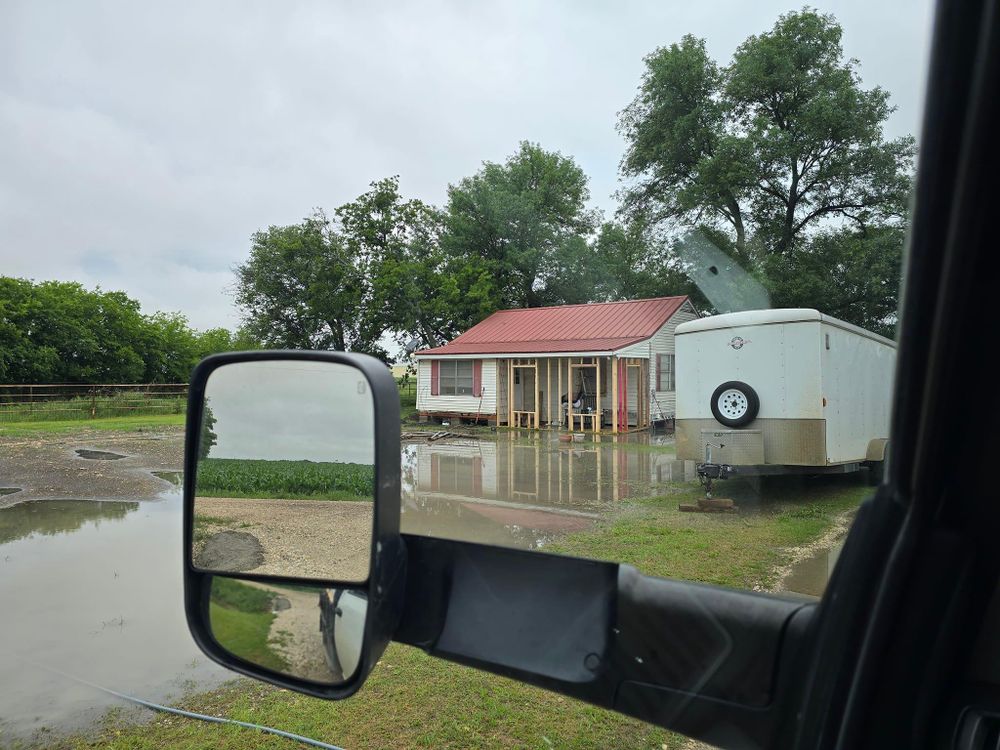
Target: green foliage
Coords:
[[779, 146], [516, 233], [59, 332], [412, 289], [233, 477], [852, 275], [207, 437]]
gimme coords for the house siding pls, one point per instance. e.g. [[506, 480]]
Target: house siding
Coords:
[[662, 403], [461, 404]]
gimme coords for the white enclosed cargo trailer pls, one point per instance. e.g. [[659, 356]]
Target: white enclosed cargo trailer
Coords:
[[769, 391]]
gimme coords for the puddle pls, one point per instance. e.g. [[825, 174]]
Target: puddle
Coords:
[[811, 575], [98, 455], [9, 490], [524, 491], [96, 587], [176, 478]]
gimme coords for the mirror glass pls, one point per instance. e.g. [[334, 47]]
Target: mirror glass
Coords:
[[310, 632], [286, 478]]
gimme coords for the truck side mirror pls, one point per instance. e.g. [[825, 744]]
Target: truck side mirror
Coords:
[[293, 562]]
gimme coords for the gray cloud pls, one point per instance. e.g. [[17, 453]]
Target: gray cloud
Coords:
[[142, 145]]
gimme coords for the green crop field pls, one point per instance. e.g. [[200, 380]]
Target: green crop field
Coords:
[[231, 477]]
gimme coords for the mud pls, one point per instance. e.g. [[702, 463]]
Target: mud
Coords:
[[47, 466], [230, 550], [93, 455]]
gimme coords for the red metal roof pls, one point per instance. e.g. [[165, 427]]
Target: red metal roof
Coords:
[[594, 327]]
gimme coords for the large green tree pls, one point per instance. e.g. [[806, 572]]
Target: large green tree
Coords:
[[60, 332], [514, 232], [412, 290], [303, 288], [780, 145]]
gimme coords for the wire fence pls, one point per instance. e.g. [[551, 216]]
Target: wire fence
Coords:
[[62, 401]]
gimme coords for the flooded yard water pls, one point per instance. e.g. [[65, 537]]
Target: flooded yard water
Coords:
[[92, 589], [519, 491]]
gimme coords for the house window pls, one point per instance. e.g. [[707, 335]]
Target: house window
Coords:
[[456, 377], [665, 372]]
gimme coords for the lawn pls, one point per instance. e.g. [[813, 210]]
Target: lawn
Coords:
[[413, 700], [241, 620], [121, 424]]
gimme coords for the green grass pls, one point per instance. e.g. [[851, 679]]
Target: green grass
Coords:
[[241, 620], [122, 424], [230, 477], [413, 700], [85, 408]]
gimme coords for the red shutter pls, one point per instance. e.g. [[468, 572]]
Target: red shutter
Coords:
[[477, 377], [659, 358], [435, 377]]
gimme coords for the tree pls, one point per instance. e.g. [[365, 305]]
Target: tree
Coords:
[[207, 438], [768, 148], [397, 242], [513, 232], [847, 273], [302, 288], [631, 262]]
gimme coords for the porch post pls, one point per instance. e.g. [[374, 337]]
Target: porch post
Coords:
[[616, 406], [569, 403], [597, 419], [559, 388], [537, 405], [510, 392], [548, 390]]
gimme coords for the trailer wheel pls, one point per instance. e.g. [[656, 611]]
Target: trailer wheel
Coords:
[[876, 473], [735, 404]]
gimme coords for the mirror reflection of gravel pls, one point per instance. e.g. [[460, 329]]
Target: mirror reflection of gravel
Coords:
[[230, 550]]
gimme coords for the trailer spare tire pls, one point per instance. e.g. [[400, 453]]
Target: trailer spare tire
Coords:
[[735, 404]]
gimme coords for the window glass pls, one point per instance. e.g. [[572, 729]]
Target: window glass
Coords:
[[589, 187], [456, 377]]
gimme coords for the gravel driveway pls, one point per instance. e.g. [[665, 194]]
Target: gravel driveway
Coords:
[[323, 539]]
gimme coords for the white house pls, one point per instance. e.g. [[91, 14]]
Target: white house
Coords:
[[598, 366]]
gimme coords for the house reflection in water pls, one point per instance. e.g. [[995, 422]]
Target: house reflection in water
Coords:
[[513, 492]]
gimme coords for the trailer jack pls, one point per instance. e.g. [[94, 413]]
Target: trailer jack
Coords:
[[708, 473]]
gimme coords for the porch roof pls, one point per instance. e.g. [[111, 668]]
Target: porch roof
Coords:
[[593, 327]]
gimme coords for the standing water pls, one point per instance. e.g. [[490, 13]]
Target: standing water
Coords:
[[92, 589]]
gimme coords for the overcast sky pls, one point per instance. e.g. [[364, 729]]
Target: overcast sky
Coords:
[[142, 145], [292, 411]]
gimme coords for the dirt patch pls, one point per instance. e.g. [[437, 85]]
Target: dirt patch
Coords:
[[93, 455], [321, 539], [230, 551], [48, 466]]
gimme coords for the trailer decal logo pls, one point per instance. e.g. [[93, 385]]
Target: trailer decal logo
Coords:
[[738, 342]]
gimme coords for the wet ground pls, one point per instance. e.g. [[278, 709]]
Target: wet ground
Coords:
[[90, 547], [48, 466], [92, 588]]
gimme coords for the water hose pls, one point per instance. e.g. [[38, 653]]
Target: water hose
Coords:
[[193, 715]]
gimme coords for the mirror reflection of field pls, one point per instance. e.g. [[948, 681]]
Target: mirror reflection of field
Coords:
[[240, 477], [271, 625]]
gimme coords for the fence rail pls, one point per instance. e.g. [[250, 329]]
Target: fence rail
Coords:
[[63, 401]]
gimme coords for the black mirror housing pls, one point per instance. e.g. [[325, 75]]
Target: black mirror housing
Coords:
[[387, 570]]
